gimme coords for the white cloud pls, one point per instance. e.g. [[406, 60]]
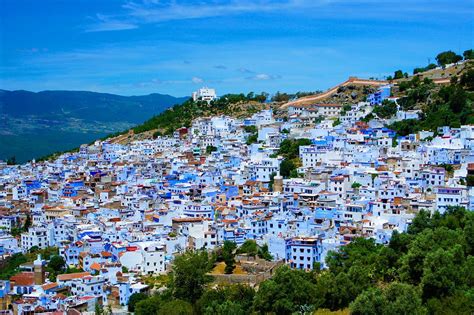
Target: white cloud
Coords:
[[105, 23], [155, 11], [264, 77], [197, 80]]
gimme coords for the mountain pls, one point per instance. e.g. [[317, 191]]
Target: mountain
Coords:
[[35, 124]]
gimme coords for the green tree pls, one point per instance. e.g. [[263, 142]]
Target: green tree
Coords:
[[447, 57], [467, 80], [227, 299], [398, 74], [56, 265], [442, 272], [210, 149], [386, 110], [177, 307], [468, 54], [228, 255], [370, 302], [27, 224], [189, 275], [99, 310], [149, 306], [286, 292], [249, 247], [134, 299], [286, 167], [11, 160], [397, 298], [264, 253]]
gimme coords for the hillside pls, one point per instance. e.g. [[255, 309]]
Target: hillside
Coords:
[[235, 105], [37, 124], [335, 93]]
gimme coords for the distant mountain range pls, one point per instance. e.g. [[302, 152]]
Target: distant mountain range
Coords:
[[36, 124]]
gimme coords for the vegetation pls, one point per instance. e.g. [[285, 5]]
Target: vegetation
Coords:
[[210, 149], [189, 275], [56, 266], [290, 150], [11, 160], [251, 248], [253, 134], [447, 57], [468, 54], [356, 185], [451, 105], [428, 269], [134, 299], [398, 74], [227, 254], [182, 115], [11, 265], [431, 66], [281, 97], [386, 110]]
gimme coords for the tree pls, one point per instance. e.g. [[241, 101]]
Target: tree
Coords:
[[178, 307], [99, 310], [227, 299], [252, 139], [356, 185], [56, 264], [290, 148], [286, 166], [370, 302], [467, 80], [470, 180], [189, 275], [398, 74], [27, 224], [468, 54], [134, 299], [228, 256], [386, 110], [249, 247], [210, 149], [149, 306], [285, 293], [264, 253], [397, 298], [447, 57], [280, 97], [442, 272], [11, 160]]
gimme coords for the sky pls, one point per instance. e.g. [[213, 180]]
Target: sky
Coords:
[[175, 46]]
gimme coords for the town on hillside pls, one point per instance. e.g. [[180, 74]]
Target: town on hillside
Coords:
[[94, 229]]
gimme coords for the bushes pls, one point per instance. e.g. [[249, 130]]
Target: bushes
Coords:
[[386, 110], [427, 269], [450, 106]]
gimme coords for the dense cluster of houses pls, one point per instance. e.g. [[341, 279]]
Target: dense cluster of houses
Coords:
[[117, 212]]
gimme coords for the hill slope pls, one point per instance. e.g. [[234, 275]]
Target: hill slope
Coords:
[[35, 124]]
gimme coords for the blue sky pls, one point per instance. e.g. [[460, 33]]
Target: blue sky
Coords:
[[147, 46]]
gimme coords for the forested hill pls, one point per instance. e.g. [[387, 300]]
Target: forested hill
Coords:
[[37, 124], [84, 105]]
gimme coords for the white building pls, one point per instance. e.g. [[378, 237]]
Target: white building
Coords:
[[36, 236], [204, 94]]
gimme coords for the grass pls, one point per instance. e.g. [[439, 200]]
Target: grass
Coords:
[[219, 269]]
